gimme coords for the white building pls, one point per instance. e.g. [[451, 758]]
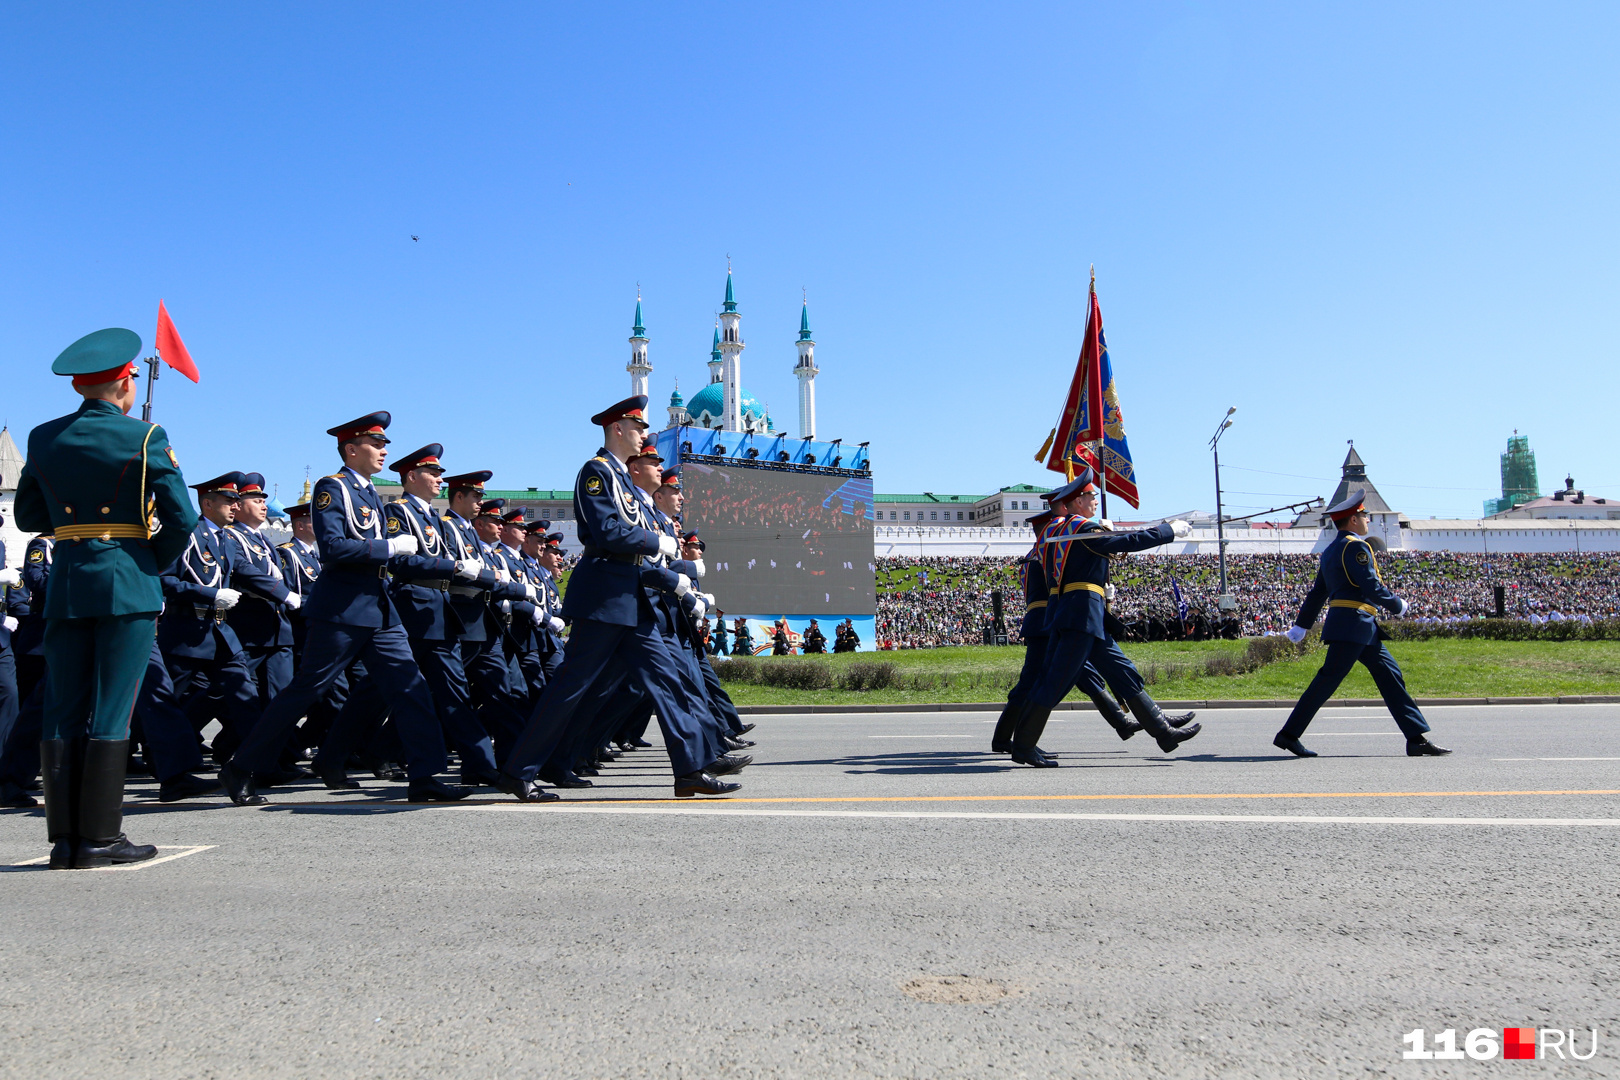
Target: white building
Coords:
[[11, 464], [1569, 504]]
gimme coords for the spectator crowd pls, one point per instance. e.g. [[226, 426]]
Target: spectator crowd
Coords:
[[933, 601]]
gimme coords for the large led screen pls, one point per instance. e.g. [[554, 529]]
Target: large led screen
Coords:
[[783, 542]]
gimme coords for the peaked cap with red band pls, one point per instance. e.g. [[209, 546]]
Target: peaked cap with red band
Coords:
[[102, 357], [372, 424], [252, 484], [229, 484], [301, 510], [491, 508], [469, 481], [1341, 511], [425, 458], [631, 408], [672, 478]]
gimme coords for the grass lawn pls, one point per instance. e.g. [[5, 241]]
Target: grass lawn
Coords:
[[1438, 668]]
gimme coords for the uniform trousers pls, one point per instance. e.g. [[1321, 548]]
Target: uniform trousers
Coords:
[[441, 666], [1106, 669], [1067, 652], [271, 667], [502, 705], [197, 683], [19, 754], [328, 652], [1386, 674], [93, 671], [165, 732], [591, 648], [10, 698]]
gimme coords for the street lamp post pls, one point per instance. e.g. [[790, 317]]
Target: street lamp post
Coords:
[[1224, 603]]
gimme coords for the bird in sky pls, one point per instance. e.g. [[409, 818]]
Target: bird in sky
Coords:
[[416, 238]]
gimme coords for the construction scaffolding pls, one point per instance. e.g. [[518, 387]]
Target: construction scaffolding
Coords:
[[1519, 484]]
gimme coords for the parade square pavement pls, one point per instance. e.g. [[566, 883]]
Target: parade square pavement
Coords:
[[882, 898]]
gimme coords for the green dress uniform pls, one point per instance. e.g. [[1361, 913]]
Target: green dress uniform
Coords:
[[109, 489]]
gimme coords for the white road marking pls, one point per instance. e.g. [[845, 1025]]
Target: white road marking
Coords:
[[1315, 734], [1555, 759], [179, 853], [1299, 819], [919, 736]]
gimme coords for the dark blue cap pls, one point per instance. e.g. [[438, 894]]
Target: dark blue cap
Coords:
[[1349, 504], [227, 484], [425, 458], [491, 508], [252, 484], [635, 408], [372, 424], [469, 481], [1072, 488]]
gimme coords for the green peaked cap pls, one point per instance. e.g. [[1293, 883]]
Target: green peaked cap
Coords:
[[101, 351]]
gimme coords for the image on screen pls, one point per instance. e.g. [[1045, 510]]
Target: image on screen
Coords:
[[781, 541]]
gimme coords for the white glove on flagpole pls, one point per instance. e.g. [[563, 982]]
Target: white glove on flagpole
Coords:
[[469, 569], [402, 545], [293, 601], [667, 545], [1296, 634], [225, 599], [10, 576], [1180, 528]]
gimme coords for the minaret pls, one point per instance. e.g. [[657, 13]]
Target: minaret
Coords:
[[638, 367], [806, 371], [714, 356], [677, 407], [731, 347]]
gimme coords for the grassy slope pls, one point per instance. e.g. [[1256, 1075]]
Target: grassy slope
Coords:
[[1444, 668]]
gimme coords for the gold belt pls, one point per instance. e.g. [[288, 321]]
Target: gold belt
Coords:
[[1357, 604], [102, 532], [1086, 585], [1036, 604]]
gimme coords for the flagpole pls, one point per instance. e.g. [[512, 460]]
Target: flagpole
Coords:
[[151, 381]]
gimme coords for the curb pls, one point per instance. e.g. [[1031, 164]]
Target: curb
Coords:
[[1071, 706]]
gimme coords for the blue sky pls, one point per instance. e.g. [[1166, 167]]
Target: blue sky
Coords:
[[1393, 223]]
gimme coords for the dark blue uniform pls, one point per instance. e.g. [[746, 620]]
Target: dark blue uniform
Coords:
[[1348, 583], [350, 617], [19, 761], [501, 702], [260, 619]]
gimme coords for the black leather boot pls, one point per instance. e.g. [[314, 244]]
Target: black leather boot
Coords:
[[1111, 712], [101, 808], [1001, 739], [61, 806], [1147, 711], [1031, 723]]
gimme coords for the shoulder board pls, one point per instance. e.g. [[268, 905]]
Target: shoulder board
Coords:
[[603, 460], [333, 476], [288, 544]]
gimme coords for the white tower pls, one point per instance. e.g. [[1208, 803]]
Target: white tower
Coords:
[[638, 367], [806, 371], [731, 347]]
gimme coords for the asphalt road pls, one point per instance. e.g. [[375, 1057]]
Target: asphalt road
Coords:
[[1224, 912]]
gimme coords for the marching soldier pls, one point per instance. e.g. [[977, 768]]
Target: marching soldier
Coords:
[[300, 566], [543, 552], [814, 640], [13, 605], [1075, 551], [99, 482], [1347, 580], [19, 758], [260, 616], [351, 616]]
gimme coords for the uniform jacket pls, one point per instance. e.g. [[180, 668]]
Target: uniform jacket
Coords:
[[191, 625], [1347, 581], [421, 582], [616, 535], [260, 620], [99, 468], [29, 640], [299, 569], [472, 599], [1074, 558], [1032, 577], [347, 514], [520, 632]]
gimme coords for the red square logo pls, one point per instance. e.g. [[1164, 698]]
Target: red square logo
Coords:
[[1519, 1043]]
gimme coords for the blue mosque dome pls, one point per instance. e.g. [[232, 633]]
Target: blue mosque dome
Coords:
[[711, 399]]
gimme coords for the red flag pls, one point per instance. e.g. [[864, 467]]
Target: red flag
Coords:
[[171, 348], [1082, 418]]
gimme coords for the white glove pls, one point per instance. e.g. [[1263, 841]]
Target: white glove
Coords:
[[531, 592], [701, 569], [293, 601], [668, 545], [11, 623], [539, 617], [708, 599], [10, 577], [1405, 607], [469, 569], [1296, 634], [1108, 591], [402, 545], [225, 599], [683, 584], [502, 576], [699, 608], [556, 624], [1180, 528]]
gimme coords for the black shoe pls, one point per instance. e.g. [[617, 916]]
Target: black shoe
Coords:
[[587, 770], [387, 770], [702, 782], [286, 774], [1181, 720], [639, 743], [13, 797], [523, 790], [338, 780], [1425, 748], [1001, 737], [563, 778], [1152, 718], [62, 854], [1295, 747], [1034, 756], [745, 729], [735, 744], [137, 766], [727, 764], [432, 789], [115, 851], [185, 786], [480, 779], [605, 755], [239, 786]]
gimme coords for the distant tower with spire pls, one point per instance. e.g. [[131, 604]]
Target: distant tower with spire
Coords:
[[806, 371], [731, 347], [677, 408], [715, 360], [638, 367]]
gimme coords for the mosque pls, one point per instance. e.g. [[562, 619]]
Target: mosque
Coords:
[[725, 404]]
